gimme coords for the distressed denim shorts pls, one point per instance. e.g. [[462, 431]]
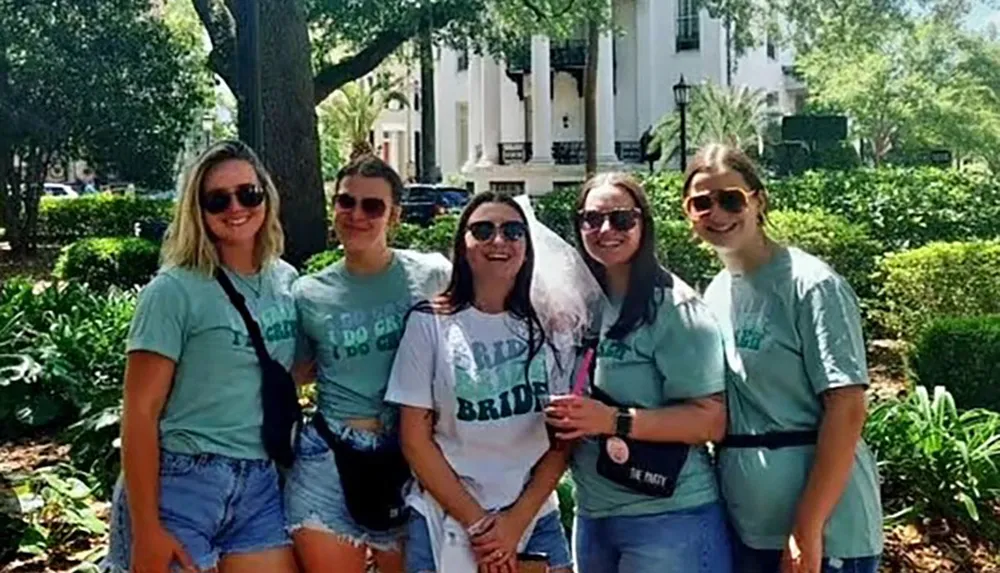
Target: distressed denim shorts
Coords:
[[314, 498], [548, 538], [213, 505], [694, 540]]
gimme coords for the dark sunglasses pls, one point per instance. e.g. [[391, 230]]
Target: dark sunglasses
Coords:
[[732, 200], [248, 195], [620, 219], [372, 207], [486, 230]]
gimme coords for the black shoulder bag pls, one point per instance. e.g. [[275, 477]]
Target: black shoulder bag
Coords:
[[279, 398], [651, 468]]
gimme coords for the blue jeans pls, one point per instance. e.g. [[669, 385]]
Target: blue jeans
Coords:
[[749, 560], [694, 540], [548, 538], [214, 505], [314, 497]]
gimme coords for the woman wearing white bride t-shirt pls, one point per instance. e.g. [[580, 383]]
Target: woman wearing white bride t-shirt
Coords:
[[471, 373]]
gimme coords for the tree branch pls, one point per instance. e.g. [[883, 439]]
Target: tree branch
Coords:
[[333, 76], [221, 27], [541, 13]]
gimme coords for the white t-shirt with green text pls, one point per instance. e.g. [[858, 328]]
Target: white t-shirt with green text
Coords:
[[469, 368]]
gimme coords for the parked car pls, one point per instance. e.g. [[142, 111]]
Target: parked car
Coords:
[[59, 190], [422, 202]]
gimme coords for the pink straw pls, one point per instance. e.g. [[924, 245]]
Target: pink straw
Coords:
[[583, 373]]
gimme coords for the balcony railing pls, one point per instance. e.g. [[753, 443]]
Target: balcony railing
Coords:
[[515, 152], [564, 55], [569, 152], [628, 151]]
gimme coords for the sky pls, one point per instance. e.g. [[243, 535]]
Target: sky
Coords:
[[982, 15]]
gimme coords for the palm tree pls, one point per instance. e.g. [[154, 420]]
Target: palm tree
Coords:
[[735, 116], [353, 110]]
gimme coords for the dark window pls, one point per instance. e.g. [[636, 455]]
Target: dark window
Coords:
[[772, 52], [688, 34], [416, 99], [463, 60]]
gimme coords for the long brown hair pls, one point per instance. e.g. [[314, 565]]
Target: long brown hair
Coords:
[[646, 274]]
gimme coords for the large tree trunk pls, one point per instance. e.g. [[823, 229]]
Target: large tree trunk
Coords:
[[428, 120], [590, 98], [291, 143]]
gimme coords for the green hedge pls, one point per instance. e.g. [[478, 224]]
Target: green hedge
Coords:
[[845, 246], [98, 216], [938, 280], [903, 207], [961, 354], [106, 262]]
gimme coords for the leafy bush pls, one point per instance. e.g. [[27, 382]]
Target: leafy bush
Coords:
[[102, 263], [62, 353], [684, 254], [937, 280], [843, 245], [99, 215], [962, 354], [902, 207], [61, 511], [567, 503], [320, 261], [935, 460]]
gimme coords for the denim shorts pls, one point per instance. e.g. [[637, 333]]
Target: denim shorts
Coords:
[[213, 505], [314, 498], [749, 560], [547, 538], [694, 540]]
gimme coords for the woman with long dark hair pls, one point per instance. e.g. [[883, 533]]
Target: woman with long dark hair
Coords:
[[800, 482], [647, 499], [344, 493], [473, 370]]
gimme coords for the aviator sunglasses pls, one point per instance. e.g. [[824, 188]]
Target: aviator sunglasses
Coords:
[[511, 231], [732, 200], [620, 219], [248, 195], [372, 207]]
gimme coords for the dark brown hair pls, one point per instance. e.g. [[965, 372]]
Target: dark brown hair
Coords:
[[646, 274], [372, 166], [716, 157]]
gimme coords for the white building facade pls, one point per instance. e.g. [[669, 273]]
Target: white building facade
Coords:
[[518, 124]]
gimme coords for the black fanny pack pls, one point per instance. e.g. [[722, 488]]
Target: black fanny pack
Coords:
[[278, 393], [372, 480], [771, 440], [651, 468]]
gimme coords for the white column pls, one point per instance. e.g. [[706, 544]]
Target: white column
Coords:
[[605, 101], [541, 102], [490, 112], [474, 76], [645, 72]]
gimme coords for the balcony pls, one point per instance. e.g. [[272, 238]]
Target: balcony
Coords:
[[515, 153], [569, 153], [629, 151]]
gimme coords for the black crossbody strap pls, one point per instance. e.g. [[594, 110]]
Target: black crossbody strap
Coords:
[[241, 306]]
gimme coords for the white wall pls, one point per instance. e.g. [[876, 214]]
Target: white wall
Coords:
[[511, 109], [450, 88], [568, 103]]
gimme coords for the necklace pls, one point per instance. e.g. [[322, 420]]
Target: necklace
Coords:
[[255, 288]]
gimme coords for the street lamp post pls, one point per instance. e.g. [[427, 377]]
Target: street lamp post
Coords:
[[682, 95], [248, 74]]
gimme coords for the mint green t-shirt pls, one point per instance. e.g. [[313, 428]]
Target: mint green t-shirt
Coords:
[[678, 357], [354, 323], [214, 404], [797, 328]]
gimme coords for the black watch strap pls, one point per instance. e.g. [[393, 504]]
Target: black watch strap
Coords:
[[623, 422]]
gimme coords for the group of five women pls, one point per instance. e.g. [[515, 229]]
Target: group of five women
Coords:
[[709, 433]]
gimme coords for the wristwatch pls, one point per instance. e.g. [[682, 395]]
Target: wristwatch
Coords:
[[623, 422]]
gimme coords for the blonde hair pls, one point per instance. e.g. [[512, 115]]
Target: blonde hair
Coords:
[[189, 244]]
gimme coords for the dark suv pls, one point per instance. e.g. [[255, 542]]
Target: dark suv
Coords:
[[422, 202]]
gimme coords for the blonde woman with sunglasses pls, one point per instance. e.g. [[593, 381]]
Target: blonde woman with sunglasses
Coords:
[[199, 492], [344, 493], [800, 483]]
